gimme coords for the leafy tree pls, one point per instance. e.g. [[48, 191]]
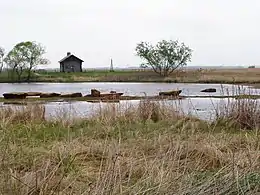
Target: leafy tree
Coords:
[[16, 62], [2, 53], [33, 53], [165, 56], [26, 56]]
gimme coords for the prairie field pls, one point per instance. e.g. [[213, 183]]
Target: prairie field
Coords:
[[147, 149], [233, 76], [246, 76]]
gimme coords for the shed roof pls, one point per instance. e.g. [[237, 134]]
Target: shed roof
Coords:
[[68, 56]]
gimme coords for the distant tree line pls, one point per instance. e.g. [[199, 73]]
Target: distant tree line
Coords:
[[22, 60], [163, 58]]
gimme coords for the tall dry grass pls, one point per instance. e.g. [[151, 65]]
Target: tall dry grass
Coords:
[[145, 110], [148, 149], [189, 75], [243, 112], [16, 114]]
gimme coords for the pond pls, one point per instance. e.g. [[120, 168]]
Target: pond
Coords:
[[126, 88], [204, 108]]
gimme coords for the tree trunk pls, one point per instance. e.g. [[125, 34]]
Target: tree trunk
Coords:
[[19, 73], [12, 74], [29, 75], [2, 63]]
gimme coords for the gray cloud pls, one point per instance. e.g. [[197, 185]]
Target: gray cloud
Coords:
[[220, 32]]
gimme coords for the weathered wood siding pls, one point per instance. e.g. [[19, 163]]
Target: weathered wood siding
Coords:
[[71, 65]]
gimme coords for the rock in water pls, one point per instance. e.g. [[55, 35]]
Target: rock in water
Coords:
[[209, 90], [111, 96], [170, 93], [14, 95], [49, 95], [71, 95], [33, 93], [95, 93]]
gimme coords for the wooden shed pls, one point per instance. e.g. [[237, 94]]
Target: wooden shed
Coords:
[[71, 63]]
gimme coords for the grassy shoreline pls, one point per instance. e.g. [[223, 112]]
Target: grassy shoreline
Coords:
[[138, 81], [223, 76], [148, 149]]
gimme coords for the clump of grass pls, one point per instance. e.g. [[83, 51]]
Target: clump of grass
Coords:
[[116, 153], [241, 112], [25, 114], [145, 110], [157, 111], [244, 113]]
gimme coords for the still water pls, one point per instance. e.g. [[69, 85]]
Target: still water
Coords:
[[126, 88], [204, 108]]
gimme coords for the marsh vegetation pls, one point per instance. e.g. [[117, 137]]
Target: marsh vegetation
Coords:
[[146, 149]]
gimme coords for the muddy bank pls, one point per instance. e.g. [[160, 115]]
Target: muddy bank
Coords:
[[122, 98]]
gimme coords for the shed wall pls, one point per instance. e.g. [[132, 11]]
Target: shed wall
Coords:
[[71, 66]]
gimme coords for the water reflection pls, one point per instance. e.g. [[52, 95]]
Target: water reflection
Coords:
[[126, 88], [203, 108]]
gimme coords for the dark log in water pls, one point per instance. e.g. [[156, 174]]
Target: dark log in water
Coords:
[[49, 95], [71, 95], [209, 90], [33, 93], [170, 93], [14, 95]]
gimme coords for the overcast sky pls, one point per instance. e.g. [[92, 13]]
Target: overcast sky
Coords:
[[221, 32]]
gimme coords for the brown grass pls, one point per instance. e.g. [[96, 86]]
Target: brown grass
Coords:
[[25, 114], [245, 113], [146, 110], [232, 75], [246, 75], [148, 149]]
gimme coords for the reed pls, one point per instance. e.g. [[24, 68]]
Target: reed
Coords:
[[16, 114], [146, 148], [241, 112]]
